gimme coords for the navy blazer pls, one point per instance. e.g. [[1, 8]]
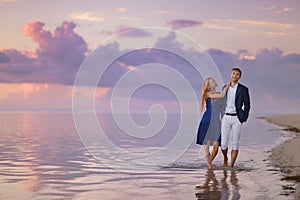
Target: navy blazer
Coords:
[[242, 102]]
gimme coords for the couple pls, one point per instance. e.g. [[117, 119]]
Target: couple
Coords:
[[225, 112]]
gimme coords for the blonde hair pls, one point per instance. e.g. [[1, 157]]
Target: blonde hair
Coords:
[[205, 90]]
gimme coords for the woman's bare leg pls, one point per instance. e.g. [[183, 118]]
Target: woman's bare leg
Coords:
[[207, 155], [215, 150]]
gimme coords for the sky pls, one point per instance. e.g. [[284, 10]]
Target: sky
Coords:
[[43, 44]]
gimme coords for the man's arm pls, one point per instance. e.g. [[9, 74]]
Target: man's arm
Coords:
[[222, 107], [246, 104]]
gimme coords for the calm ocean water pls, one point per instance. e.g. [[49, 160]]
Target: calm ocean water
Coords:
[[42, 157]]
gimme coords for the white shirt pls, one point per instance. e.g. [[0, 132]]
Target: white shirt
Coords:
[[230, 104]]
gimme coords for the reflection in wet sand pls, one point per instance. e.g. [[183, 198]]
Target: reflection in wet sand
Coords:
[[234, 183], [223, 189], [210, 188]]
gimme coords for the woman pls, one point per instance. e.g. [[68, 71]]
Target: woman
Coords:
[[209, 131]]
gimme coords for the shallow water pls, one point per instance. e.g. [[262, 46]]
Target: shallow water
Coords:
[[42, 157]]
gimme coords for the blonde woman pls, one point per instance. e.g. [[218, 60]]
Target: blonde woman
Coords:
[[209, 131]]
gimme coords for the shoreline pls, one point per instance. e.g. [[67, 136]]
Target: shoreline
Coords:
[[286, 155]]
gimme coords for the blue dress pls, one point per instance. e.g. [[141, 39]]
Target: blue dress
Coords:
[[210, 125]]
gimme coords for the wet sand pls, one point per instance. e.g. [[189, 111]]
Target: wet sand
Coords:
[[286, 155]]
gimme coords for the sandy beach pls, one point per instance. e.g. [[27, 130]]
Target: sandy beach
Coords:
[[286, 156]]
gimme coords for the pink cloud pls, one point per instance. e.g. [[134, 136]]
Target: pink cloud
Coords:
[[126, 32], [62, 47], [57, 58], [183, 23], [36, 31]]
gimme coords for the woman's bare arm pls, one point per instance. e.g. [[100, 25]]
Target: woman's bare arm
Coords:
[[219, 95]]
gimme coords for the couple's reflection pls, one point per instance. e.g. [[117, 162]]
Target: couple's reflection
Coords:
[[214, 189]]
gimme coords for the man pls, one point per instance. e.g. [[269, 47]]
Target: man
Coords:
[[236, 112]]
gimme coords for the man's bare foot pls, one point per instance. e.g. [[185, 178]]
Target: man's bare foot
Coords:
[[234, 154], [224, 152]]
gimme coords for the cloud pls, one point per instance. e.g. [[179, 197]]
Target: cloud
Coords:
[[262, 71], [4, 58], [271, 7], [126, 32], [131, 61], [268, 72], [35, 96], [128, 18], [57, 58], [274, 9], [87, 16], [287, 9], [262, 23], [236, 24], [183, 23], [271, 77], [9, 1], [270, 29], [122, 9], [163, 12], [218, 26]]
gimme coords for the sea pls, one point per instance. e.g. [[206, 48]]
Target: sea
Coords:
[[47, 155]]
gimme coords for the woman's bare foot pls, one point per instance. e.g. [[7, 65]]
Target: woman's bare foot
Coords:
[[208, 161], [209, 165], [225, 163], [208, 156]]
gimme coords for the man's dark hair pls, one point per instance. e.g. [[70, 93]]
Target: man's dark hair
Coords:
[[237, 69]]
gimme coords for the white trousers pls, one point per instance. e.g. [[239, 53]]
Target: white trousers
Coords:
[[231, 123]]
